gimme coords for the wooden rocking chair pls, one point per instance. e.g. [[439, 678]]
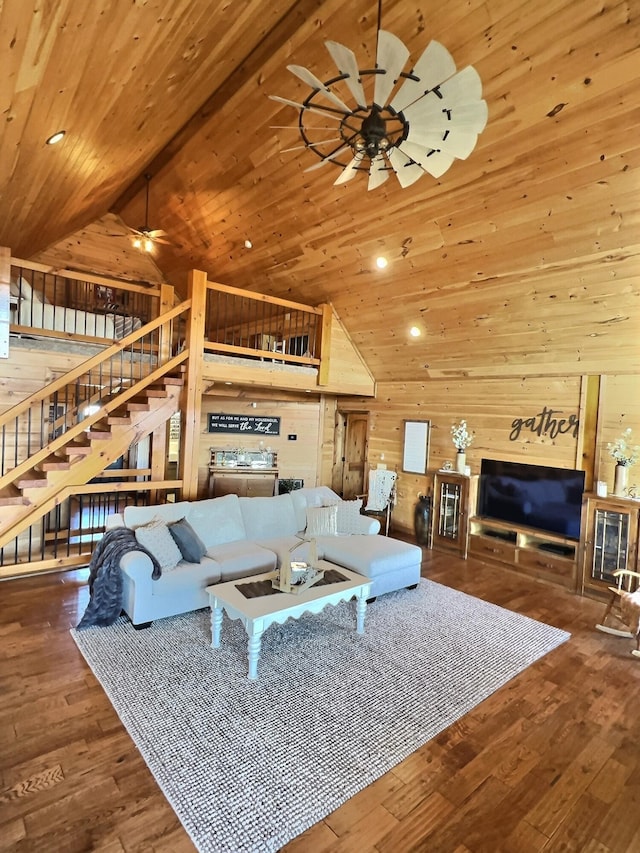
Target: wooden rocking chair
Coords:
[[624, 608]]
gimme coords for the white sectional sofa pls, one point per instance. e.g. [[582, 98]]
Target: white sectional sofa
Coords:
[[242, 536]]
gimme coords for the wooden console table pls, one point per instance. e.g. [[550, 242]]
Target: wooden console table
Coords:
[[246, 473]]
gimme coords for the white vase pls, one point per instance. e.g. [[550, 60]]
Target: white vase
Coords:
[[620, 478], [461, 461]]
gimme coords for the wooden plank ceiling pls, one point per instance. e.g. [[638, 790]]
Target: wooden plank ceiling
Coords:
[[521, 259]]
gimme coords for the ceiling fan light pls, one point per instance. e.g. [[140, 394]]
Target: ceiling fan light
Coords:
[[148, 245], [137, 243]]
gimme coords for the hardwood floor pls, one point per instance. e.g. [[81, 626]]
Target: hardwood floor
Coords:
[[550, 762]]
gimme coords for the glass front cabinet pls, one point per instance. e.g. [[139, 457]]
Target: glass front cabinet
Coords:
[[610, 540], [453, 502]]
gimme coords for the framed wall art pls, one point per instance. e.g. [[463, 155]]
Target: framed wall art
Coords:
[[415, 452]]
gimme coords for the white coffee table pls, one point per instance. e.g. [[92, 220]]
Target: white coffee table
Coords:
[[256, 614]]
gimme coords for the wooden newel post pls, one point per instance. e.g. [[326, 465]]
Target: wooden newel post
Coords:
[[191, 402]]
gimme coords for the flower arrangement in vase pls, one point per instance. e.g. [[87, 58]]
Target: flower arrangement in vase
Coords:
[[462, 438], [625, 455]]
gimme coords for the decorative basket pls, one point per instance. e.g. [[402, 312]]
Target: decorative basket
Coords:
[[294, 576]]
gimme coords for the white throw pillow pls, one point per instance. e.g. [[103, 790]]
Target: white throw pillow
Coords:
[[321, 520], [348, 517], [157, 539]]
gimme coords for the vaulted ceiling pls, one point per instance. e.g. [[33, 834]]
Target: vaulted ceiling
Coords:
[[514, 260]]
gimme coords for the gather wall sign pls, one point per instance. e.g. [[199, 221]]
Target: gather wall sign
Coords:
[[547, 422]]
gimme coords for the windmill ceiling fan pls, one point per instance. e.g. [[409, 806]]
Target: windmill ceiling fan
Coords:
[[145, 237], [411, 123]]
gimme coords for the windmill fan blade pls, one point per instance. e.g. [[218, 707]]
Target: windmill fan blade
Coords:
[[378, 173], [406, 171], [311, 80], [311, 144], [298, 106], [347, 64], [349, 171], [455, 142], [329, 157], [434, 67], [429, 116], [392, 56], [463, 88], [296, 127], [428, 121], [435, 163]]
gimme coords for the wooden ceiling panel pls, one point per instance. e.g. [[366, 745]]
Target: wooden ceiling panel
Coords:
[[541, 217]]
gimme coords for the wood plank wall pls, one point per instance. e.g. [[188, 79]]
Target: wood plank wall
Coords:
[[491, 408], [296, 457], [28, 370], [619, 408]]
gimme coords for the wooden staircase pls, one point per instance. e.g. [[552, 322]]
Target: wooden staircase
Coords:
[[39, 488]]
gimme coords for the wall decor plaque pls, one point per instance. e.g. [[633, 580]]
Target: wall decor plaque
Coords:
[[247, 424]]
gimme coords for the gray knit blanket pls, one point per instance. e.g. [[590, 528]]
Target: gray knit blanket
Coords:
[[105, 577]]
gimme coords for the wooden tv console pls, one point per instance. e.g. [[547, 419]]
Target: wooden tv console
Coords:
[[537, 554]]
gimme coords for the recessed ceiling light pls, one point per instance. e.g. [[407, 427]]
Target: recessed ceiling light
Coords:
[[56, 137], [248, 244], [381, 262], [415, 332]]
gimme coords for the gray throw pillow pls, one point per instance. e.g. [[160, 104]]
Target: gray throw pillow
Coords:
[[190, 545]]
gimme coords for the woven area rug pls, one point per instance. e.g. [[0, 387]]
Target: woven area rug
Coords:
[[247, 765]]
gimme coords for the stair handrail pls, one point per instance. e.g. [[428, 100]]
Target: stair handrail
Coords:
[[106, 408]]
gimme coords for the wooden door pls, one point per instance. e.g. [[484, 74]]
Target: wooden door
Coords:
[[354, 454]]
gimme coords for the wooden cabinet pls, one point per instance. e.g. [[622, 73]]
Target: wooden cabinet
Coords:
[[541, 555], [454, 500], [245, 484], [610, 531]]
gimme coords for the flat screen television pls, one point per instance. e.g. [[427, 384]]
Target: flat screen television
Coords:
[[547, 499]]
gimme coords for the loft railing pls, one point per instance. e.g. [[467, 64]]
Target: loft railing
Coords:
[[66, 536], [77, 304], [43, 423], [239, 322]]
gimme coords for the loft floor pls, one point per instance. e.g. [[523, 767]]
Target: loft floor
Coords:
[[73, 780]]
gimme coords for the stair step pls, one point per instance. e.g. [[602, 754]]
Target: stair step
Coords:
[[99, 434], [138, 407], [32, 480], [156, 392], [54, 463], [173, 380], [11, 496], [77, 449], [119, 420]]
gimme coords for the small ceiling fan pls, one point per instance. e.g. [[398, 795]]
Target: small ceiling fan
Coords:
[[144, 237], [402, 123]]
